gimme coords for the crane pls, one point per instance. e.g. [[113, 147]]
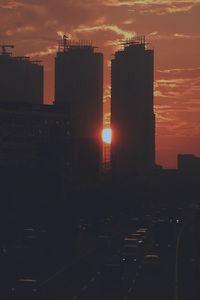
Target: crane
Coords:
[[3, 47]]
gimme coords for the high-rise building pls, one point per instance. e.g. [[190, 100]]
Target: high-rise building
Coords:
[[132, 113], [21, 80], [79, 84]]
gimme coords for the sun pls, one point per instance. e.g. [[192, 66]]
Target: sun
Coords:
[[107, 135]]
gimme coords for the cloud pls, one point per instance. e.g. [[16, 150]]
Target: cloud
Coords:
[[184, 80], [159, 7], [113, 28], [48, 51], [21, 30], [100, 20], [10, 4], [177, 102], [149, 2], [163, 9], [182, 36], [178, 88], [154, 33], [127, 22], [179, 71], [156, 36]]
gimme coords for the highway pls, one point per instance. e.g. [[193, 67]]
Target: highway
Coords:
[[124, 257]]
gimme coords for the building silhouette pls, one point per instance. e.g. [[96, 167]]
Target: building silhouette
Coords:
[[79, 83], [35, 150], [189, 165], [21, 80], [132, 114]]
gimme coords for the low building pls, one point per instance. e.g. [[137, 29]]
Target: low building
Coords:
[[189, 165], [34, 148]]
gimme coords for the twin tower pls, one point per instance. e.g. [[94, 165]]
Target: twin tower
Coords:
[[79, 82], [79, 87]]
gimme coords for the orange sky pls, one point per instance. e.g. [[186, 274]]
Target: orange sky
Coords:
[[173, 27]]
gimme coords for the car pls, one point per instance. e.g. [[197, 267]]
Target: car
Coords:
[[137, 235], [151, 259], [130, 253], [24, 288], [142, 230], [151, 264], [133, 241]]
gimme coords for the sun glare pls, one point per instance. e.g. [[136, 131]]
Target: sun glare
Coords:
[[107, 135]]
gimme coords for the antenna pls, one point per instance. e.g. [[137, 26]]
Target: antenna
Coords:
[[65, 42]]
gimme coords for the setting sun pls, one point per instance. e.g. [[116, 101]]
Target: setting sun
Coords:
[[107, 135]]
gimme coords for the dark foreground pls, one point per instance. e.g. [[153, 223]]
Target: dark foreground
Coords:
[[133, 241]]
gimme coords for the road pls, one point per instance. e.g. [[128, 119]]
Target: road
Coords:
[[78, 269]]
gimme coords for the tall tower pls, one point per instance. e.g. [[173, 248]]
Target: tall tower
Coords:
[[79, 84], [21, 80], [132, 114]]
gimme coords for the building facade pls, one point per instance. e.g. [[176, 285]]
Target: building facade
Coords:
[[35, 150], [132, 113], [79, 83]]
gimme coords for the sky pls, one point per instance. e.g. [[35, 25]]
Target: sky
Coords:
[[171, 27]]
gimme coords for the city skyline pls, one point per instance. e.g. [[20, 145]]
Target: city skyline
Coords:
[[100, 151], [172, 27]]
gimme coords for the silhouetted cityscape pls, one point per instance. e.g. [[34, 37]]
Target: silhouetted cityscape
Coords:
[[82, 219]]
